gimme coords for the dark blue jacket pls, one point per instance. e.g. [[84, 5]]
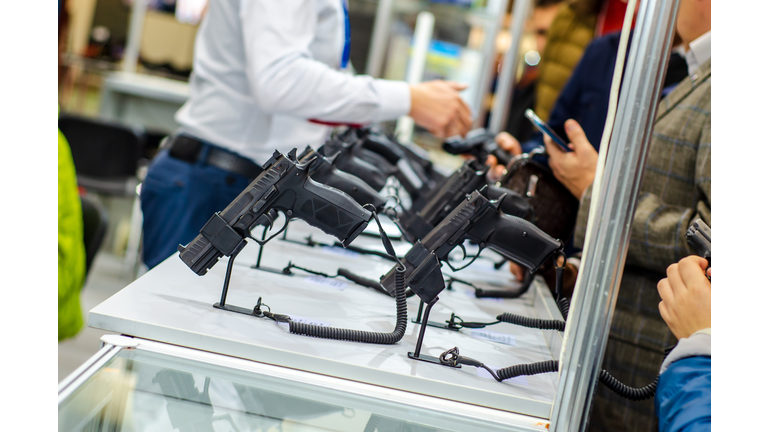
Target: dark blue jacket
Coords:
[[684, 396], [586, 95]]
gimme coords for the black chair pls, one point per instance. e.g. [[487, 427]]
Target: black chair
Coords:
[[106, 154], [95, 221]]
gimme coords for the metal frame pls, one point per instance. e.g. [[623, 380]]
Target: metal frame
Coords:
[[86, 370], [135, 32], [506, 82], [610, 218], [379, 38], [388, 401]]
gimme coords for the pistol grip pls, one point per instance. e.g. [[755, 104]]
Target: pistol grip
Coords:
[[521, 241], [331, 210], [363, 170]]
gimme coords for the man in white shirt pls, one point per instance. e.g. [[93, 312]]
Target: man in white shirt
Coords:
[[269, 75]]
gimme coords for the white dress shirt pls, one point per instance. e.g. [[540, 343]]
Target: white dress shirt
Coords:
[[262, 69], [700, 50]]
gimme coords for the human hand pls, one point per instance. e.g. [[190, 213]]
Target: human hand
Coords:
[[517, 271], [575, 169], [509, 144], [686, 297], [437, 106]]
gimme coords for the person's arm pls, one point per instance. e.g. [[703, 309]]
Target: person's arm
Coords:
[[684, 396], [286, 79], [684, 393]]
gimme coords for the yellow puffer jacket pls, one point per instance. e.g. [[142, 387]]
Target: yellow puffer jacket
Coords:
[[71, 246], [571, 31]]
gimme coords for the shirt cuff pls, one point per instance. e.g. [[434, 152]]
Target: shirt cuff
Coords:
[[698, 344], [395, 97]]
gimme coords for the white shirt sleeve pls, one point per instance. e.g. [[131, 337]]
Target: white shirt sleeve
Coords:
[[285, 79]]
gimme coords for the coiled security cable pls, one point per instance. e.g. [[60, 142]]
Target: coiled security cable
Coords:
[[531, 322], [360, 335], [452, 358]]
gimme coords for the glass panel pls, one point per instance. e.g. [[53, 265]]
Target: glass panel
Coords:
[[144, 391]]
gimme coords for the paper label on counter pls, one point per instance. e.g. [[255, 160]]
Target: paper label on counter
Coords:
[[506, 339], [340, 251], [519, 380], [302, 320], [328, 282]]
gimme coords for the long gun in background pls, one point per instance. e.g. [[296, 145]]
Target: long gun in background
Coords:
[[481, 221], [284, 185]]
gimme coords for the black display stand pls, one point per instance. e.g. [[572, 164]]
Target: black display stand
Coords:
[[416, 354]]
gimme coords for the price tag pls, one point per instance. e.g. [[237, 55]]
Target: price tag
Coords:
[[503, 338], [327, 282], [340, 251], [302, 320], [519, 380]]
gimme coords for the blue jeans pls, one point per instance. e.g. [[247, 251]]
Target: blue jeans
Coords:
[[178, 198]]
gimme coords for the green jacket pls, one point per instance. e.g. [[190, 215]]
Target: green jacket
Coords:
[[676, 189], [71, 247]]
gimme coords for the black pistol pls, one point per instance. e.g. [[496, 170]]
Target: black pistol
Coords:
[[284, 185], [415, 173], [323, 171], [423, 217], [478, 143], [477, 219], [346, 160], [699, 236]]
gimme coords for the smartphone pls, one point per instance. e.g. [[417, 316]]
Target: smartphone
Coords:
[[545, 129]]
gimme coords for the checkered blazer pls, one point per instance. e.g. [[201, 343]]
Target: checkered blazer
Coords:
[[676, 189]]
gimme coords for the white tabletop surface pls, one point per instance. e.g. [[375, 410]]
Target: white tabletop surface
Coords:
[[171, 304]]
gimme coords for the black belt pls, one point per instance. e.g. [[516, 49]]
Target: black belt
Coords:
[[188, 149]]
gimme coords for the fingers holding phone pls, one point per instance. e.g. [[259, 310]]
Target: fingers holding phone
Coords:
[[574, 168]]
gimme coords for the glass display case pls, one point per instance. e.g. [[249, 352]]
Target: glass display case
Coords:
[[134, 384]]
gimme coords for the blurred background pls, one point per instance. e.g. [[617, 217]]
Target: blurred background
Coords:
[[123, 73]]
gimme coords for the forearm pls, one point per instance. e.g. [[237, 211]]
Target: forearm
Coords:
[[285, 78], [684, 396]]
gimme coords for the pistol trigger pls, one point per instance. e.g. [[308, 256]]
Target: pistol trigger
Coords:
[[463, 250]]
